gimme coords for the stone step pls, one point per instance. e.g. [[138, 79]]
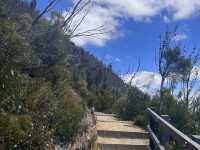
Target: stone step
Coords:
[[122, 144], [119, 129], [114, 134], [122, 134], [103, 114]]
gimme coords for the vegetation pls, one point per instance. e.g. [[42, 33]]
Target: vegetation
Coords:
[[179, 78], [175, 98], [47, 83], [134, 105]]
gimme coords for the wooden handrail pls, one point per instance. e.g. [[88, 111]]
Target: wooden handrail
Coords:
[[196, 138], [177, 135], [155, 140]]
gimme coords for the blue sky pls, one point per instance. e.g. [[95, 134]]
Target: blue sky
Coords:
[[137, 25], [141, 39]]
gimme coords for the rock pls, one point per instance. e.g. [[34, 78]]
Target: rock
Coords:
[[86, 140]]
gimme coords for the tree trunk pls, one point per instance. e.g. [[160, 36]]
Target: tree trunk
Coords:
[[187, 95], [161, 94]]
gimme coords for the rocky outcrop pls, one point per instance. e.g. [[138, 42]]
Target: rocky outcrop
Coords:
[[86, 140]]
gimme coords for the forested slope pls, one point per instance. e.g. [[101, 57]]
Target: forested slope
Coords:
[[46, 82]]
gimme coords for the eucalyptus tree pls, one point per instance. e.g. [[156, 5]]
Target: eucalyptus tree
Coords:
[[168, 57], [189, 73]]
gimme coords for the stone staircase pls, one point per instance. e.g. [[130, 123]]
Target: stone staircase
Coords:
[[114, 134]]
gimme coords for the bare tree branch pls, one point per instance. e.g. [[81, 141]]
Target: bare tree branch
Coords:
[[133, 72], [80, 22], [73, 19], [71, 24], [75, 11], [46, 10], [92, 32]]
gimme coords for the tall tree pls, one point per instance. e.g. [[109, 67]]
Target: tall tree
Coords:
[[189, 73], [169, 54]]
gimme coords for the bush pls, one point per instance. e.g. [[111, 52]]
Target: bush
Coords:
[[181, 117], [68, 115], [25, 115], [133, 108]]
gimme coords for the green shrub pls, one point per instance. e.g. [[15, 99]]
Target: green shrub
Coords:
[[68, 115]]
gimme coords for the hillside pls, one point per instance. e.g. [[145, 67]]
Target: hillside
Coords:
[[49, 85], [47, 82]]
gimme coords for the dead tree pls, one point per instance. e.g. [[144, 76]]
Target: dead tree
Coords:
[[73, 19], [44, 11], [133, 72]]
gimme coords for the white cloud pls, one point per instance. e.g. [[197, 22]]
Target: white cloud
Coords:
[[149, 82], [136, 9], [117, 59], [108, 57], [111, 13], [111, 59], [98, 16], [182, 9], [146, 81], [180, 37], [166, 19], [196, 73], [139, 9]]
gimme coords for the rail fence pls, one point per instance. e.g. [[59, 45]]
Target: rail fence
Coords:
[[164, 136]]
